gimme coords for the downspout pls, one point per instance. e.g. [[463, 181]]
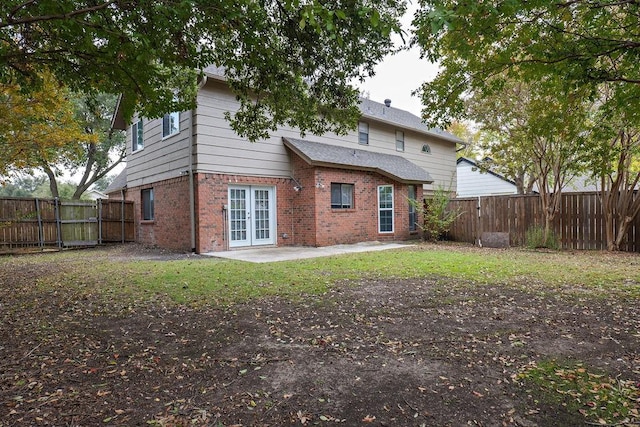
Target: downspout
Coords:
[[192, 198]]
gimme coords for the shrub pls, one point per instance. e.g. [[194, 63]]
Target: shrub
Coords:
[[534, 239], [436, 217]]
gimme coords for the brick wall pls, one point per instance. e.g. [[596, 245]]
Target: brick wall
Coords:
[[212, 195], [303, 217], [170, 226], [317, 224]]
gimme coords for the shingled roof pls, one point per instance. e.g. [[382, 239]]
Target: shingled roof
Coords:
[[119, 182], [401, 118], [395, 167]]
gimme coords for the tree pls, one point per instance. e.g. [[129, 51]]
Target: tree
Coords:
[[92, 159], [22, 186], [576, 44], [36, 124], [288, 61], [616, 161]]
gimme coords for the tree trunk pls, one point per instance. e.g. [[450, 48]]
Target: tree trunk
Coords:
[[53, 184]]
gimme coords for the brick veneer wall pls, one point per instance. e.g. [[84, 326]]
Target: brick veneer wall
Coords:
[[212, 194], [317, 224], [303, 217], [170, 227]]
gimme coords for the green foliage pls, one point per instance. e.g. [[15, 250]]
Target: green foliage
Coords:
[[436, 214], [289, 62], [21, 186], [535, 238], [561, 45], [601, 399]]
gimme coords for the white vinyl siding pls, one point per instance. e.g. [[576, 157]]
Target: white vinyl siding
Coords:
[[218, 149], [160, 159], [472, 182]]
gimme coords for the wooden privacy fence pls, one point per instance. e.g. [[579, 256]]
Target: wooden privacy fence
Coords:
[[53, 223], [578, 225]]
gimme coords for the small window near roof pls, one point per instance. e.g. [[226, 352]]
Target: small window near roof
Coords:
[[399, 140], [426, 149], [137, 136], [363, 133], [170, 124]]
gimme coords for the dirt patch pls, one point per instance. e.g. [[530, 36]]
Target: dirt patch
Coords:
[[380, 352]]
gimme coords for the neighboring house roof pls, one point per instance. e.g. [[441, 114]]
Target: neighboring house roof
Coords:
[[395, 167], [95, 194], [119, 183], [481, 170]]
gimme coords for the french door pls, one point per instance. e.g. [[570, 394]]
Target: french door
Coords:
[[251, 216]]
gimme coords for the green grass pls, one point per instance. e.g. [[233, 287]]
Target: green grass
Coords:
[[214, 281], [601, 399]]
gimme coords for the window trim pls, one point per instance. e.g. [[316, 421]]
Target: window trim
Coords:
[[342, 206], [412, 212], [400, 140], [137, 136], [147, 204], [175, 117], [386, 209], [362, 126]]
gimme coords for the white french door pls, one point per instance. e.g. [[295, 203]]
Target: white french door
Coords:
[[251, 215]]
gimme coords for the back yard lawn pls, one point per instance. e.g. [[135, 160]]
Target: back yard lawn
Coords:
[[432, 335]]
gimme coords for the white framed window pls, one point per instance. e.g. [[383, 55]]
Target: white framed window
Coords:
[[399, 140], [363, 133], [137, 136], [385, 208], [170, 124], [147, 204], [341, 196], [413, 214]]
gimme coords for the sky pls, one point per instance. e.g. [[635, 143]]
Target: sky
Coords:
[[400, 74]]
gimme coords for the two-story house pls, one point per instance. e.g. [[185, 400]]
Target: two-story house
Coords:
[[198, 186]]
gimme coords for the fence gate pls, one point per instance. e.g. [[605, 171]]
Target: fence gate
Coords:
[[78, 222]]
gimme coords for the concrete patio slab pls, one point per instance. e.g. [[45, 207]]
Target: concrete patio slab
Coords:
[[288, 253]]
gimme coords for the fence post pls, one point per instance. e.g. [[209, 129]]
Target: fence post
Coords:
[[99, 201], [58, 221], [122, 219], [40, 228]]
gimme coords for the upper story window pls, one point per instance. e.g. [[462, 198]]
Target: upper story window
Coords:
[[363, 133], [341, 196], [170, 124], [399, 140], [137, 136]]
